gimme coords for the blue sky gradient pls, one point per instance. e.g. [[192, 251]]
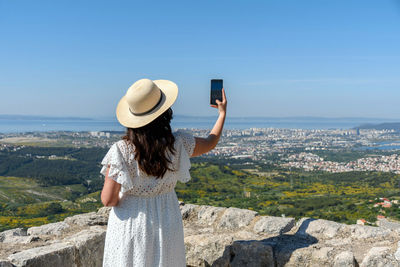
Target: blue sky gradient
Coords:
[[277, 58]]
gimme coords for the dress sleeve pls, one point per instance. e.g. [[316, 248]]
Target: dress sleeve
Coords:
[[118, 169], [186, 144]]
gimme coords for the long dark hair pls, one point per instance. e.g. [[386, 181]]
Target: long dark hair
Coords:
[[152, 143]]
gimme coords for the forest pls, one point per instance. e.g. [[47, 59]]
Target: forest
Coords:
[[51, 166]]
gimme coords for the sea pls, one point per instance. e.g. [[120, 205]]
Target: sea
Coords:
[[383, 146], [21, 124]]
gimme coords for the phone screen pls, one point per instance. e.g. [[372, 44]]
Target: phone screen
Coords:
[[216, 91]]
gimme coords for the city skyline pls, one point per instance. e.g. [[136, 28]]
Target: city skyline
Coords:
[[318, 59]]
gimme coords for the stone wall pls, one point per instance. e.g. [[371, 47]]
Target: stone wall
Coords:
[[214, 236]]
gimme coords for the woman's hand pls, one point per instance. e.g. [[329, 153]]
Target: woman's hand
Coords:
[[221, 105]]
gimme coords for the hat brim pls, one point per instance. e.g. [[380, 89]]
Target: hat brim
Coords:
[[126, 118]]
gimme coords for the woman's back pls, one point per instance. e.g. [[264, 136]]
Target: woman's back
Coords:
[[125, 170], [146, 229]]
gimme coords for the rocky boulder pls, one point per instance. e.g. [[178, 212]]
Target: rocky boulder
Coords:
[[274, 225], [17, 235], [49, 229], [234, 218], [379, 256], [246, 253], [88, 219], [57, 254], [344, 259], [322, 229]]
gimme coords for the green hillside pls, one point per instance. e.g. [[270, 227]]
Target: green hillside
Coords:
[[45, 184], [342, 197], [23, 203]]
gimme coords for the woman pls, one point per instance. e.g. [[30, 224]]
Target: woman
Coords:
[[141, 170]]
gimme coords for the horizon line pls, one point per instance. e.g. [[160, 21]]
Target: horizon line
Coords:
[[3, 116]]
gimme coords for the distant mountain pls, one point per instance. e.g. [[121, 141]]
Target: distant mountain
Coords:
[[381, 126], [291, 118], [33, 117]]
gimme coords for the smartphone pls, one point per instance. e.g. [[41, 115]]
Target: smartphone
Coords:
[[216, 91]]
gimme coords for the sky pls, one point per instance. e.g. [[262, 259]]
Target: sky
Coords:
[[277, 58]]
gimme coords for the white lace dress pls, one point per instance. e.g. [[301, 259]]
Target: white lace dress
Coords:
[[146, 229]]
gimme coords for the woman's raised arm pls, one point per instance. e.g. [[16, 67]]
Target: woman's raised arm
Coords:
[[203, 145]]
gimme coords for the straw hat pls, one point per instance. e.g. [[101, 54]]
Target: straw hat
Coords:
[[144, 101]]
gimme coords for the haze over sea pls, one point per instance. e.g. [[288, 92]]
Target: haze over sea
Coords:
[[18, 124]]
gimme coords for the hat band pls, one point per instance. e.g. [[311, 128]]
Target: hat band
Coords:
[[150, 110]]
